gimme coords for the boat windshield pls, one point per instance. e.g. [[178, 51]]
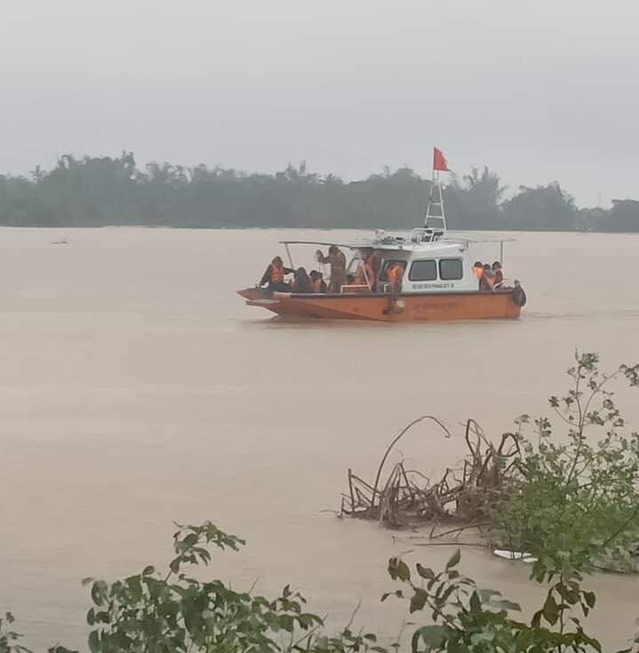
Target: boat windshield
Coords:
[[354, 264]]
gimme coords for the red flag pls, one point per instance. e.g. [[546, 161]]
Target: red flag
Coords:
[[439, 162]]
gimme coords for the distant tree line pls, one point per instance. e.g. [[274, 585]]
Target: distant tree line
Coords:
[[98, 191]]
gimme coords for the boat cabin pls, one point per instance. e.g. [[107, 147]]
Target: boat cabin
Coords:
[[430, 264]]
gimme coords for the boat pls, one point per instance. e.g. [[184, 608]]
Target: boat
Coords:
[[438, 281]]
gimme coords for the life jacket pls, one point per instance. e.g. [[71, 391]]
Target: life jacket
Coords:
[[394, 274], [316, 286], [277, 273]]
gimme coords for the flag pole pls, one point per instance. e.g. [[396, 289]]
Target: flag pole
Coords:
[[435, 216]]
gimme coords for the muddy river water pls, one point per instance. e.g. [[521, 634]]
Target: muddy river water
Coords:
[[136, 389]]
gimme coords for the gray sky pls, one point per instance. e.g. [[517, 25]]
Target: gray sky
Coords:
[[537, 90]]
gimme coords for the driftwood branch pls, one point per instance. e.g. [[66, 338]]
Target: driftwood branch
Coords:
[[460, 498]]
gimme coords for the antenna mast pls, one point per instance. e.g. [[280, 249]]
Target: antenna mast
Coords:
[[435, 220]]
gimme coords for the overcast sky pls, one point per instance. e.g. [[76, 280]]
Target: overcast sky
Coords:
[[537, 90]]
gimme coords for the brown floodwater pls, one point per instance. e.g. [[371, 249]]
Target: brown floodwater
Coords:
[[136, 389]]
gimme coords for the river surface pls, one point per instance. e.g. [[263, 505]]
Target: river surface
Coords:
[[136, 389]]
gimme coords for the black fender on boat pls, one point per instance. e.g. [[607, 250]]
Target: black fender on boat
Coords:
[[519, 295]]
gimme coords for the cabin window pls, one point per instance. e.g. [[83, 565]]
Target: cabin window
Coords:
[[353, 265], [423, 271], [451, 269]]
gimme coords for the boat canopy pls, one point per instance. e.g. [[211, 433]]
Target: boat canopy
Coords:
[[415, 240]]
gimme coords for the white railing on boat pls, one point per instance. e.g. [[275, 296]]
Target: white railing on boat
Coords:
[[425, 235], [355, 289]]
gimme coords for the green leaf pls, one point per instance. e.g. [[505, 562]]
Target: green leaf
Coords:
[[591, 599], [98, 592], [454, 559], [190, 540], [550, 610], [425, 572], [475, 603], [94, 641], [398, 569], [432, 636], [446, 595], [486, 595], [418, 600], [536, 620]]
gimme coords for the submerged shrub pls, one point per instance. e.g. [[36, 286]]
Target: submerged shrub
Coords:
[[574, 499]]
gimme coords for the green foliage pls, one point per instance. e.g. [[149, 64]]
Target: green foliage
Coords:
[[466, 618], [544, 208], [574, 504], [176, 613], [476, 201], [8, 637], [96, 191], [624, 216]]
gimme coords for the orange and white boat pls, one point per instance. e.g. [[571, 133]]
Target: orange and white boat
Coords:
[[438, 281], [439, 285]]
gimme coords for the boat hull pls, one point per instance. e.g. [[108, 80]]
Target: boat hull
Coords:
[[435, 307]]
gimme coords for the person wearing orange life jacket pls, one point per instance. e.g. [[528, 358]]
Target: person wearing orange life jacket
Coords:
[[395, 274], [274, 276]]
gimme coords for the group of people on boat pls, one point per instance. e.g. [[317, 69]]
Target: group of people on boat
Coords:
[[490, 277], [365, 277], [303, 282]]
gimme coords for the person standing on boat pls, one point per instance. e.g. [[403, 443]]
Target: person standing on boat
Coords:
[[365, 275], [274, 276], [395, 275], [372, 259], [499, 274], [337, 261]]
